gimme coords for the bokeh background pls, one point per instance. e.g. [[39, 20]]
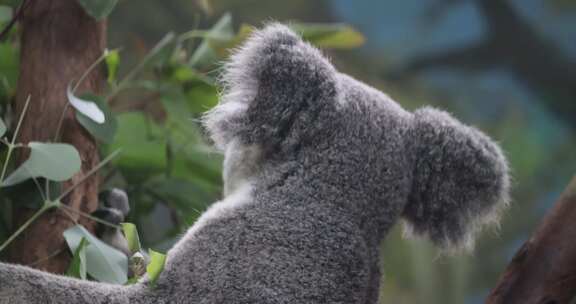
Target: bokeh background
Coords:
[[507, 67]]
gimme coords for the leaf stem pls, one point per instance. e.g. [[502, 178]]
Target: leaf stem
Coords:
[[61, 121], [86, 215], [76, 86], [90, 69], [157, 48], [90, 173], [11, 146], [47, 206]]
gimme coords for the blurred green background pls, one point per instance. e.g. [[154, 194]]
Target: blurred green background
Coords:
[[507, 67]]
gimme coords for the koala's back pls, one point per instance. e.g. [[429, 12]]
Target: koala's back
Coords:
[[288, 249]]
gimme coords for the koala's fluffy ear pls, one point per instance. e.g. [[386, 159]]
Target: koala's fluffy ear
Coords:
[[275, 87], [460, 180]]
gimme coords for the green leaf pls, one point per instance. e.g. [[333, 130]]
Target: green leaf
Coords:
[[183, 195], [103, 262], [112, 62], [205, 6], [154, 269], [102, 131], [77, 268], [201, 95], [131, 234], [205, 55], [9, 61], [98, 9], [2, 128], [143, 146], [162, 52], [57, 162], [337, 36], [86, 107], [5, 13], [27, 194]]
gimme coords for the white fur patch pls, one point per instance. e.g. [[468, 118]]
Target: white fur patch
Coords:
[[240, 164]]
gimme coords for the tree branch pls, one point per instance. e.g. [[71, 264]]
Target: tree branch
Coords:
[[543, 271]]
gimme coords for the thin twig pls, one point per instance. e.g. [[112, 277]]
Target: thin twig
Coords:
[[38, 213], [67, 213], [90, 173], [40, 260], [89, 216], [37, 185], [76, 85], [158, 47], [11, 146]]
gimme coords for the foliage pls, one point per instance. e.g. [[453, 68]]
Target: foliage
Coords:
[[147, 122], [77, 268], [56, 162], [98, 9], [132, 237], [104, 263], [157, 261], [5, 13]]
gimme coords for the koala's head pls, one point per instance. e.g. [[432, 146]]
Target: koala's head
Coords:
[[284, 102]]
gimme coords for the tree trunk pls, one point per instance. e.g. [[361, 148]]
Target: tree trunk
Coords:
[[59, 41], [543, 271]]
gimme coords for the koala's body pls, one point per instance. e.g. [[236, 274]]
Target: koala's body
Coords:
[[114, 208], [318, 168]]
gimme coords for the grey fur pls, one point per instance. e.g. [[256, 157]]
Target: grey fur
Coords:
[[320, 166]]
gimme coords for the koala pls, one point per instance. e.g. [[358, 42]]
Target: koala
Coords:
[[113, 209], [318, 168]]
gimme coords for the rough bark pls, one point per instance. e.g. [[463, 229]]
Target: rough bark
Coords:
[[59, 41], [543, 271]]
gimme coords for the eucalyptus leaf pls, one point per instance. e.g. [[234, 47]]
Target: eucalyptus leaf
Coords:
[[86, 107], [200, 94], [205, 54], [102, 131], [184, 196], [9, 62], [338, 36], [222, 48], [162, 52], [27, 194], [112, 62], [77, 268], [143, 145], [98, 9], [103, 262], [166, 54], [154, 269], [131, 234], [2, 128], [56, 162], [5, 13]]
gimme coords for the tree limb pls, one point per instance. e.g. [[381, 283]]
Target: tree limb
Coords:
[[543, 271]]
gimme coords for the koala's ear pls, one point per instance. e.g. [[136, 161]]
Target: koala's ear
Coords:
[[460, 180], [275, 87]]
